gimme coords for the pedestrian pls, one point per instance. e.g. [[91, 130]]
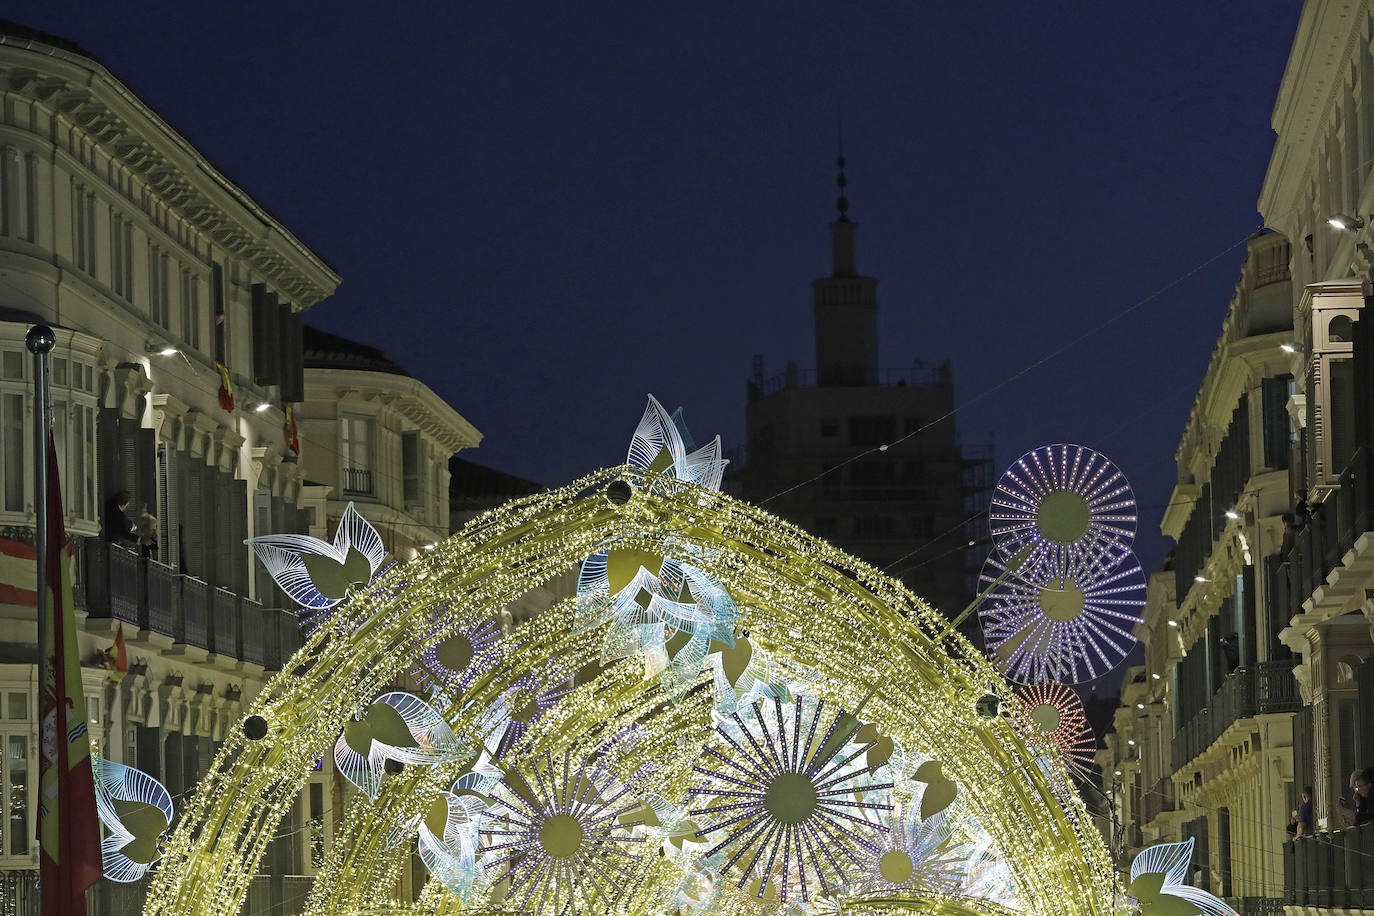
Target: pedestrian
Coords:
[[1361, 808], [147, 533]]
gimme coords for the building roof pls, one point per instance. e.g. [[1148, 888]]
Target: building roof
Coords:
[[475, 486], [330, 351]]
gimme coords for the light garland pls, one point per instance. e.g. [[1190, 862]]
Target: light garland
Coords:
[[827, 622]]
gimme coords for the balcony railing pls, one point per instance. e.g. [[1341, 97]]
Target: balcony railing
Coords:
[[1262, 689], [117, 584], [357, 482], [1330, 869]]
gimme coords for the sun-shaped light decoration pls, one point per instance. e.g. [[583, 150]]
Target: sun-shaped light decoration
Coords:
[[913, 859], [135, 809], [449, 665], [1071, 627], [796, 803], [558, 832], [1056, 712], [1070, 502], [506, 721]]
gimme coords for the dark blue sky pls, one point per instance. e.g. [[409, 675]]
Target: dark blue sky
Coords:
[[547, 210]]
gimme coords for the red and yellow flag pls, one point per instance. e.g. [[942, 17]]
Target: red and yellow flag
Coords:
[[68, 828], [226, 388], [18, 573], [117, 656]]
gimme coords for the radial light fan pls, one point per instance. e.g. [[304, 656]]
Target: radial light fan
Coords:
[[1056, 712], [1073, 627], [1071, 503]]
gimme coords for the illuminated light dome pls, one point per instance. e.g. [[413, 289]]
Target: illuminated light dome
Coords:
[[1072, 503], [1056, 712], [1071, 627], [820, 624]]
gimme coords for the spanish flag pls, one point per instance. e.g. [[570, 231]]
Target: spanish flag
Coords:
[[18, 573], [117, 657], [68, 828], [226, 388]]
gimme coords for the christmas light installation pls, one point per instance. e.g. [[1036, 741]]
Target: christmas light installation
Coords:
[[506, 720], [446, 666], [447, 839], [316, 574], [913, 859], [397, 727], [1073, 504], [832, 628], [795, 804], [556, 833], [1158, 874], [135, 810], [1072, 625], [1057, 713], [660, 608]]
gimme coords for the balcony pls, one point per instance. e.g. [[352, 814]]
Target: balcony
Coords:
[[357, 482], [1333, 870], [1263, 689], [117, 584]]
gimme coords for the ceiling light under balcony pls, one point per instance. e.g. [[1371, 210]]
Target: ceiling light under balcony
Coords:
[[1199, 578], [1341, 221], [1232, 514]]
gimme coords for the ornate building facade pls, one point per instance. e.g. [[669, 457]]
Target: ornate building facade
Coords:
[[171, 289]]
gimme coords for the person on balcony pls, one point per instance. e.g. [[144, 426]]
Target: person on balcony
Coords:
[[1301, 824], [1361, 810], [118, 528], [147, 534]]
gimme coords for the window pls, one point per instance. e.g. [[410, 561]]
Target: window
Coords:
[[414, 468], [356, 441], [21, 188], [871, 431], [12, 456], [83, 228], [121, 256], [221, 329], [16, 786], [158, 305], [190, 308]]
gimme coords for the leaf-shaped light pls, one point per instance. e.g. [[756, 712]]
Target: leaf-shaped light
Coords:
[[662, 444], [1157, 881], [316, 574], [136, 810], [396, 726]]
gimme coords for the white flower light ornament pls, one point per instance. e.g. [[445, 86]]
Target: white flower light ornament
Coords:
[[396, 727], [136, 809], [316, 574], [1157, 877]]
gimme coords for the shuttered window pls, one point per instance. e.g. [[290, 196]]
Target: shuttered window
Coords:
[[292, 350], [415, 468], [1276, 422], [1340, 423], [12, 460], [267, 337]]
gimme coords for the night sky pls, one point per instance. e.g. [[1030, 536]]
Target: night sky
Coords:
[[546, 211]]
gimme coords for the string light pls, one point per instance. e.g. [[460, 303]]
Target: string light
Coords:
[[823, 617]]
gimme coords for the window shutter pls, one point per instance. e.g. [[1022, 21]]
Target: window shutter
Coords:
[[1363, 356], [167, 503], [236, 550], [1340, 419], [266, 337], [107, 453], [1274, 410], [292, 355], [193, 519], [1309, 431], [222, 530], [410, 467], [145, 469]]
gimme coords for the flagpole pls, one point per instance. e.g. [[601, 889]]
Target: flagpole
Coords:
[[40, 341]]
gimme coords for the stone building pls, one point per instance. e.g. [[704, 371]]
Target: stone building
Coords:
[[1278, 548], [156, 270], [867, 458]]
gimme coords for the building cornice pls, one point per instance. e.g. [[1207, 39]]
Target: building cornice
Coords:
[[409, 397], [83, 93], [1312, 80]]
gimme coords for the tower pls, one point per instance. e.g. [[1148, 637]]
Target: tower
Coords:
[[846, 308]]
